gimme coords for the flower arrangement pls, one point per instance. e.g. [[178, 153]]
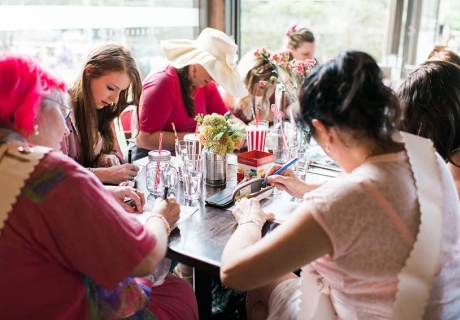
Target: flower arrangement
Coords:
[[293, 71], [219, 133]]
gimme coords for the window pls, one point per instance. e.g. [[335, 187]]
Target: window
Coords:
[[62, 33], [397, 33]]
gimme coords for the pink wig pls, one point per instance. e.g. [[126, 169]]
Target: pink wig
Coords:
[[23, 83]]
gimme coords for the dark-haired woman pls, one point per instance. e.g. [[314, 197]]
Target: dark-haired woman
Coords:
[[430, 97], [175, 94], [356, 231]]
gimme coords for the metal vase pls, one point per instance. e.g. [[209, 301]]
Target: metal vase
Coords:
[[215, 168]]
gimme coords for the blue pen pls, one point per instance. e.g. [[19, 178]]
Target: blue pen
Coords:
[[280, 170]]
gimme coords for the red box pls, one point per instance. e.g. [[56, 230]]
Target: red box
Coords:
[[254, 164]]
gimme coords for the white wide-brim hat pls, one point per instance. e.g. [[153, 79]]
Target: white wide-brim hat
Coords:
[[215, 51]]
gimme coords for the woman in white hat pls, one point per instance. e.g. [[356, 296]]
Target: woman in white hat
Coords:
[[174, 94], [255, 73]]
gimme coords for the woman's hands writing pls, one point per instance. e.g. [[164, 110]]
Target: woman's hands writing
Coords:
[[288, 182], [121, 193]]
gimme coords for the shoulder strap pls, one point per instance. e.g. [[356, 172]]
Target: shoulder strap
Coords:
[[17, 162], [417, 276]]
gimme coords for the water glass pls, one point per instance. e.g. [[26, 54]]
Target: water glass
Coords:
[[300, 168], [279, 142], [193, 176]]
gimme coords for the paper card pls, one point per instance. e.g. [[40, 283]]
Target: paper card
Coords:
[[185, 213], [281, 208]]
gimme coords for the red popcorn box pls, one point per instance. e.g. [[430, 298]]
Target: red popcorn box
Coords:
[[254, 164]]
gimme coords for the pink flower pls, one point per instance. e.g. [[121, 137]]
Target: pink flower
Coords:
[[311, 62], [262, 83], [296, 70], [291, 30]]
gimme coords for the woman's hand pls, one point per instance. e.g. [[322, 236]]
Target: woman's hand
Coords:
[[107, 160], [117, 174], [121, 193], [168, 208], [287, 181], [250, 209]]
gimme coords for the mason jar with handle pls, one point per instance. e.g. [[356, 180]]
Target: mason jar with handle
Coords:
[[161, 172]]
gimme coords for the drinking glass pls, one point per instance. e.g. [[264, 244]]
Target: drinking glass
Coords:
[[160, 172], [193, 176], [300, 168]]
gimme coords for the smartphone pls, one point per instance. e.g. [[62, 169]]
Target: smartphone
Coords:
[[222, 198]]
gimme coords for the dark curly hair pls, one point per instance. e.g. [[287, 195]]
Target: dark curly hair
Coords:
[[430, 97], [348, 93]]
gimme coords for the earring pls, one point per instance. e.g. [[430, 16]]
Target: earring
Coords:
[[36, 132], [328, 149], [194, 71]]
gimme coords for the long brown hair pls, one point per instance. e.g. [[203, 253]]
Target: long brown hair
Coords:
[[186, 89], [89, 120], [430, 97]]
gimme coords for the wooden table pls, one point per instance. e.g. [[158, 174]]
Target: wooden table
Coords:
[[199, 241]]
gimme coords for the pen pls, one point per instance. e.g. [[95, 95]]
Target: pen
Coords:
[[280, 170], [130, 156], [165, 195]]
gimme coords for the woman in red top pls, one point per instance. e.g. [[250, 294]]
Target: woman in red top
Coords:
[[174, 94]]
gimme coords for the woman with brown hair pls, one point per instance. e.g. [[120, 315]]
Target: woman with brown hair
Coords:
[[430, 97], [108, 83]]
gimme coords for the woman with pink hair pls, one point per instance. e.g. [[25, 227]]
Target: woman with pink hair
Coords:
[[68, 250]]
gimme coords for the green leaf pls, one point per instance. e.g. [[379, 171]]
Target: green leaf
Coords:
[[218, 136]]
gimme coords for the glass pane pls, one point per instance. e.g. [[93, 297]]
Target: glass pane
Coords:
[[61, 33], [337, 25]]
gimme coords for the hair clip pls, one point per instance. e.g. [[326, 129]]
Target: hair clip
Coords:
[[291, 30]]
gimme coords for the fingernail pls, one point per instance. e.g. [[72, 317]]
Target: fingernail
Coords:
[[131, 210]]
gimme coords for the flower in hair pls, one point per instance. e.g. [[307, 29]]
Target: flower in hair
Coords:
[[291, 30], [262, 83]]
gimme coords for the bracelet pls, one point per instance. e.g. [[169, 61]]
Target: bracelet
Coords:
[[166, 223], [93, 170], [251, 220]]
